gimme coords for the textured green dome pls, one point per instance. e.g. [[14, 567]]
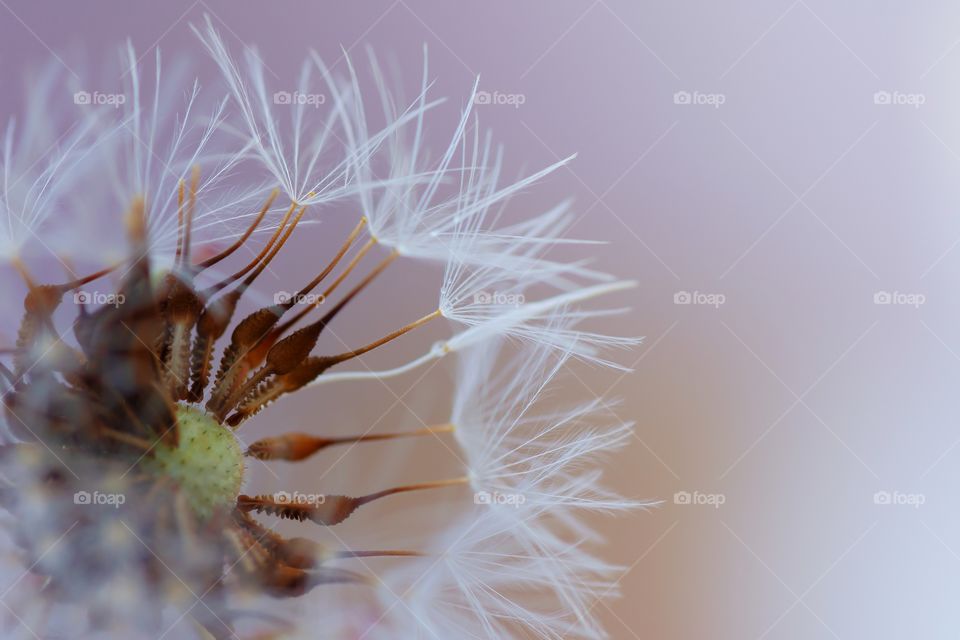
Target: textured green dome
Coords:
[[207, 465]]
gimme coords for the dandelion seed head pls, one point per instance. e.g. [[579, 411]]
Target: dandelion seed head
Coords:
[[121, 462]]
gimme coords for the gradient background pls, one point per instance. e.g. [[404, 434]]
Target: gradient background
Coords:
[[798, 199]]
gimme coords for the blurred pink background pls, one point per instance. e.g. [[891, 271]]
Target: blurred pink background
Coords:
[[792, 166]]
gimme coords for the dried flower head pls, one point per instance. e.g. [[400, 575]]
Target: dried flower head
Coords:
[[127, 506]]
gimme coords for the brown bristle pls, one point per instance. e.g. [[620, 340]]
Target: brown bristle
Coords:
[[299, 446], [226, 253], [330, 510]]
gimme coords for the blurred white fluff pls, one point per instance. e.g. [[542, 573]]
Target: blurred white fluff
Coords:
[[452, 206], [549, 322], [499, 573], [155, 130], [393, 202], [297, 143], [491, 270], [451, 210], [160, 142], [41, 160], [517, 562], [493, 303], [515, 447], [419, 206]]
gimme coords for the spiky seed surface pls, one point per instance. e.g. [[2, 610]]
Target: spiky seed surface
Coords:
[[207, 464]]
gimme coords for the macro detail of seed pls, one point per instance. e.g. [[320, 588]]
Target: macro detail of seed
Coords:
[[206, 464], [127, 467]]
